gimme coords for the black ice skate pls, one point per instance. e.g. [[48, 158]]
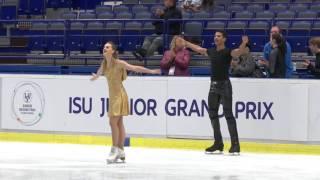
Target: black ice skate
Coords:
[[235, 149], [216, 148]]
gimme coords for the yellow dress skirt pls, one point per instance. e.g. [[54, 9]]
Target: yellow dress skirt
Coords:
[[118, 98]]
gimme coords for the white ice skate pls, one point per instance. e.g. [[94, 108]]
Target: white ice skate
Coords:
[[113, 156], [122, 155]]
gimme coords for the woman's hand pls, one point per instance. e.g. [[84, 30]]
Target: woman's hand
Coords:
[[94, 77], [156, 71]]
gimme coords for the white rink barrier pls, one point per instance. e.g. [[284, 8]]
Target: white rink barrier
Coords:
[[265, 109]]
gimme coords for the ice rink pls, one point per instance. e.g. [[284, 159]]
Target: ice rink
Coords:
[[23, 161]]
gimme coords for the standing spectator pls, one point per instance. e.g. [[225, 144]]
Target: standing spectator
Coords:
[[243, 64], [153, 42], [277, 64], [314, 46], [175, 61], [268, 48]]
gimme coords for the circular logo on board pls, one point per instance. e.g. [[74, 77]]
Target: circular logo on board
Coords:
[[28, 103]]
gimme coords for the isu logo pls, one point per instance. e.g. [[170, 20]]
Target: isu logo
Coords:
[[28, 103]]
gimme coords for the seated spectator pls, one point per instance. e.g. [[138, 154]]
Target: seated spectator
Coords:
[[314, 46], [192, 5], [243, 64], [153, 42], [268, 48], [175, 61], [277, 57]]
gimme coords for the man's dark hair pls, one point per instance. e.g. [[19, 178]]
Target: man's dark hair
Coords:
[[224, 33]]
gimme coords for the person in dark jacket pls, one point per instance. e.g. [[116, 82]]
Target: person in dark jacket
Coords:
[[175, 62], [314, 46], [243, 65], [277, 57], [153, 42]]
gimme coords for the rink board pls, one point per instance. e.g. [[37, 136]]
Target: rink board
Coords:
[[161, 106]]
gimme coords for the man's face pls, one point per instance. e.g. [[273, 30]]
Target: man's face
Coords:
[[168, 3], [274, 30], [313, 48], [219, 39]]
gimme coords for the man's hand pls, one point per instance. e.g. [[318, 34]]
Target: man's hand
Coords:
[[306, 63], [245, 39], [159, 12]]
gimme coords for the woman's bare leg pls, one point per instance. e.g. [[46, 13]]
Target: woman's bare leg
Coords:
[[122, 133], [114, 130]]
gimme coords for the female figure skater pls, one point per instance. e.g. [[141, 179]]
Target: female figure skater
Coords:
[[114, 70]]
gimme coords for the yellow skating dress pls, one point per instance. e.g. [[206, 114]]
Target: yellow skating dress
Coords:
[[118, 98]]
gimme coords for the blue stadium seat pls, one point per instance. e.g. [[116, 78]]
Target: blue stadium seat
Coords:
[[244, 15], [298, 7], [120, 9], [235, 30], [255, 8], [315, 31], [236, 8], [56, 36], [124, 15], [258, 34], [288, 15], [75, 36], [24, 7], [143, 15], [193, 31], [221, 15], [113, 31], [37, 7], [139, 8], [131, 36], [298, 35], [37, 40], [93, 36], [105, 15], [265, 15], [8, 12], [103, 9]]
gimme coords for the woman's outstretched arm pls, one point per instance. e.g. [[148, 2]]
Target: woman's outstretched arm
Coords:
[[138, 69], [95, 76]]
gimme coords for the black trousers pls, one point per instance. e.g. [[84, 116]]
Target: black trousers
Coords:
[[221, 93]]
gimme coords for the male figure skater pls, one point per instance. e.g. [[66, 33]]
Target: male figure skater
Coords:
[[221, 89]]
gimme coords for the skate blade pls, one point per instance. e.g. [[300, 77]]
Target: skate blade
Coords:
[[116, 161], [234, 154], [214, 153]]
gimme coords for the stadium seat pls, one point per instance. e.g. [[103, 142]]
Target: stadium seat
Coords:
[[131, 36]]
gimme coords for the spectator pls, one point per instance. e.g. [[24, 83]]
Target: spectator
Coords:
[[277, 57], [176, 60], [153, 42], [243, 64], [314, 46], [268, 48], [192, 5]]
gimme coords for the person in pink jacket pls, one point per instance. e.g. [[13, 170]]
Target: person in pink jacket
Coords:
[[175, 62]]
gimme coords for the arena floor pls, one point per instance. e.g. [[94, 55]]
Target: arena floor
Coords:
[[23, 161]]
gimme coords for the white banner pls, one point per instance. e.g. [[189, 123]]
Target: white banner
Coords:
[[78, 105], [160, 106], [263, 109], [314, 112]]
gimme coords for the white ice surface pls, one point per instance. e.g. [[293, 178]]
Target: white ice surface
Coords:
[[24, 161]]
